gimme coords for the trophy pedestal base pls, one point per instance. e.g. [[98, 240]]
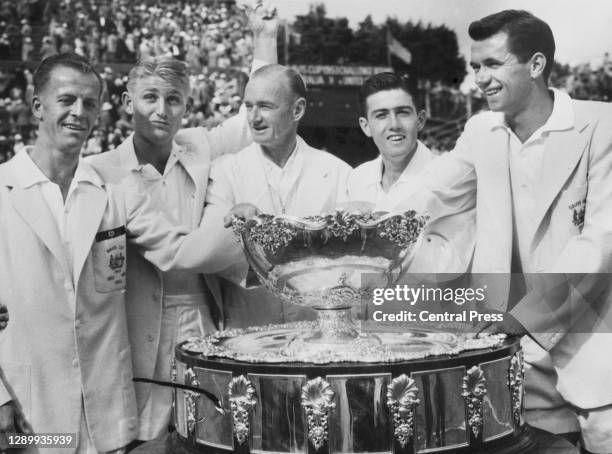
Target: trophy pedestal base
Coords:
[[525, 442]]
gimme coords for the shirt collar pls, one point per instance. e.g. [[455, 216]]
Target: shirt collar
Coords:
[[130, 162], [561, 117], [294, 161], [414, 166], [29, 174]]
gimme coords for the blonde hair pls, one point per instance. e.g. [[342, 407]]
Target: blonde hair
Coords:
[[169, 69]]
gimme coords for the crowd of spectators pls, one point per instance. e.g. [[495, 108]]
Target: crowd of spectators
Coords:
[[209, 33], [585, 82], [210, 36], [215, 96]]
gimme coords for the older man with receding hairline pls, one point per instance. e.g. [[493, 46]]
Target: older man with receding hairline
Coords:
[[278, 174]]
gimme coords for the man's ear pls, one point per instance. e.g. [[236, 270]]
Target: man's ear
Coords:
[[365, 127], [128, 103], [299, 109], [537, 64], [37, 107], [421, 119]]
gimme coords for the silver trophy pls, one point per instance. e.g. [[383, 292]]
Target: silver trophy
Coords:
[[330, 263], [325, 386]]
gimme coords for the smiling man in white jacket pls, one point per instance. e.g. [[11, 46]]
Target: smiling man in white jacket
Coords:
[[278, 174], [538, 169]]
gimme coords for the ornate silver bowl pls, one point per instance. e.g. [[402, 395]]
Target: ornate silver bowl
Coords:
[[330, 262]]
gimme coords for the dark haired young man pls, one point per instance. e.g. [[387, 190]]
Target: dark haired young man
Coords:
[[393, 181], [538, 167], [64, 226], [391, 117]]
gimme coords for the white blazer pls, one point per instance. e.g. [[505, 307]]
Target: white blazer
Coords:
[[68, 344], [241, 178], [144, 284], [576, 173]]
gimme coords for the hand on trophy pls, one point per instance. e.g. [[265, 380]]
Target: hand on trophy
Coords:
[[244, 211], [4, 316], [510, 326]]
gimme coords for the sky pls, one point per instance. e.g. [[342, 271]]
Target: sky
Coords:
[[582, 28]]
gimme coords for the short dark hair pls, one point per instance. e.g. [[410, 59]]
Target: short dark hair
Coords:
[[527, 34], [383, 82], [294, 79], [42, 74]]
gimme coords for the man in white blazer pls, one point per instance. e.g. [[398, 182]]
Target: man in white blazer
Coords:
[[167, 308], [66, 355], [64, 226], [278, 174], [538, 169]]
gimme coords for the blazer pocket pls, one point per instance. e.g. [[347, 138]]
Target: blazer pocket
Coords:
[[573, 207], [566, 222], [109, 260]]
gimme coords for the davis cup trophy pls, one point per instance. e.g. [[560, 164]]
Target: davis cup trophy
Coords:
[[326, 387], [329, 263]]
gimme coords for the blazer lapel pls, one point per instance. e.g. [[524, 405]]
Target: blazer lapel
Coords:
[[31, 206], [198, 167], [563, 151], [87, 224]]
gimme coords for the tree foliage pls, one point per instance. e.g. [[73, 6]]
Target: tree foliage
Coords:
[[323, 41], [434, 48]]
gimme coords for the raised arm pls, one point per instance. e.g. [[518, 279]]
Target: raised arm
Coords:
[[233, 134], [263, 23]]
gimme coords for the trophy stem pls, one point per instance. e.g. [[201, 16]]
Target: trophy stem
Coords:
[[334, 326], [335, 333]]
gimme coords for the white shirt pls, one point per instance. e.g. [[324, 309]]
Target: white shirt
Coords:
[[525, 172], [173, 193], [64, 212], [282, 181], [365, 183]]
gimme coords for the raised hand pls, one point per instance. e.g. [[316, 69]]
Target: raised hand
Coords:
[[262, 17]]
